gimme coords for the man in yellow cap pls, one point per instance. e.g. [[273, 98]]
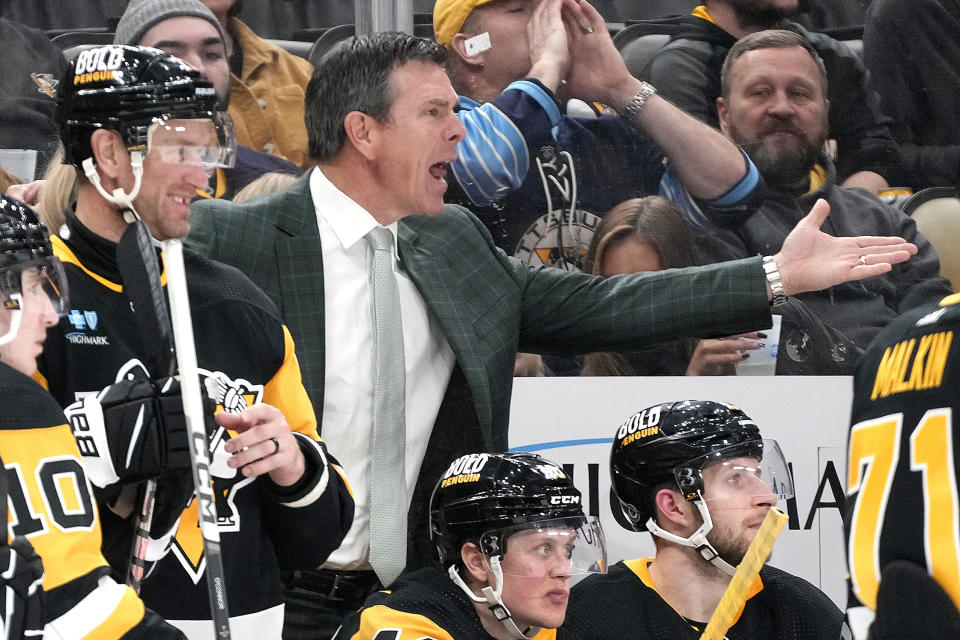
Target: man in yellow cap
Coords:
[[540, 179]]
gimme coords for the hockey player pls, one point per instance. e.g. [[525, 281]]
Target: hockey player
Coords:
[[51, 507], [698, 476], [511, 535], [901, 517], [143, 127]]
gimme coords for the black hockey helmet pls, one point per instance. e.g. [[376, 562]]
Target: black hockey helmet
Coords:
[[25, 243], [672, 442], [23, 236], [128, 88], [485, 493]]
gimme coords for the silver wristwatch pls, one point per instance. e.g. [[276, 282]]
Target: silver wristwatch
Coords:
[[773, 279], [635, 105]]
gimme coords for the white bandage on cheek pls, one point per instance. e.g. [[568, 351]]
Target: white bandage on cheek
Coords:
[[477, 44]]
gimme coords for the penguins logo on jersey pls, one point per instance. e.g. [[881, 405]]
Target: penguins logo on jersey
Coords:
[[233, 396], [560, 238]]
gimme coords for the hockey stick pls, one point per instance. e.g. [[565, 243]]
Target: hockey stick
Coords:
[[5, 506], [137, 262], [747, 571], [165, 343], [193, 412]]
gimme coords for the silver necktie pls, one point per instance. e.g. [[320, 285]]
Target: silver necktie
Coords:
[[388, 487]]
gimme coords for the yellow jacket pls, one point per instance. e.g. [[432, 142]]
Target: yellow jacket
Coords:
[[267, 101]]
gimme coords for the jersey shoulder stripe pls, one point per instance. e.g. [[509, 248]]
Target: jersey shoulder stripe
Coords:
[[382, 622]]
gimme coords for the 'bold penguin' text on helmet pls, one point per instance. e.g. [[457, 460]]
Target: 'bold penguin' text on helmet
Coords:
[[667, 446], [486, 498], [482, 492], [126, 89], [651, 444]]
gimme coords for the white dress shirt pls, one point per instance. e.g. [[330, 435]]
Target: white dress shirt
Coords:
[[347, 426]]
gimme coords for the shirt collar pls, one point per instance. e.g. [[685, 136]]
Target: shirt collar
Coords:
[[349, 221]]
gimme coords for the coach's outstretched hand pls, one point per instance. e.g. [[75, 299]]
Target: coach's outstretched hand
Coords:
[[811, 260]]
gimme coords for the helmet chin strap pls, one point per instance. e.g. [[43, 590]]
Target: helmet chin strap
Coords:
[[698, 539], [14, 320], [119, 197], [492, 599]]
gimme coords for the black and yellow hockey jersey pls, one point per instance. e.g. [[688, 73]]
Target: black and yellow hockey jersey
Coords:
[[424, 604], [625, 604], [51, 505], [243, 347], [903, 464]]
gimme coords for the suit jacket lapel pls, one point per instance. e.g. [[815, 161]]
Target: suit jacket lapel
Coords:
[[300, 274]]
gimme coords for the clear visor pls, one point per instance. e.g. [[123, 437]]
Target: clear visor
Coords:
[[209, 142], [735, 480], [571, 547], [28, 287]]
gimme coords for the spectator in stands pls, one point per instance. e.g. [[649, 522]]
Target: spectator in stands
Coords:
[[687, 72], [268, 85], [649, 234], [774, 105], [541, 180], [912, 50], [32, 69], [190, 31]]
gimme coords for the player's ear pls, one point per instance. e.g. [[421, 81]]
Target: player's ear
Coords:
[[109, 153], [672, 508], [474, 562]]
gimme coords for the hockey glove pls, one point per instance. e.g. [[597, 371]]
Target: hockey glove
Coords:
[[21, 605], [133, 430]]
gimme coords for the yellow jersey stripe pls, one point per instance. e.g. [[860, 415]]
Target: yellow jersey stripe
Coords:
[[412, 626], [63, 252]]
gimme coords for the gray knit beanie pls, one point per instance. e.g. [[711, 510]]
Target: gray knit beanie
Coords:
[[140, 15]]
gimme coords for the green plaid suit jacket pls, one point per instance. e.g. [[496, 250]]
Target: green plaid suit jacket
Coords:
[[489, 305]]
